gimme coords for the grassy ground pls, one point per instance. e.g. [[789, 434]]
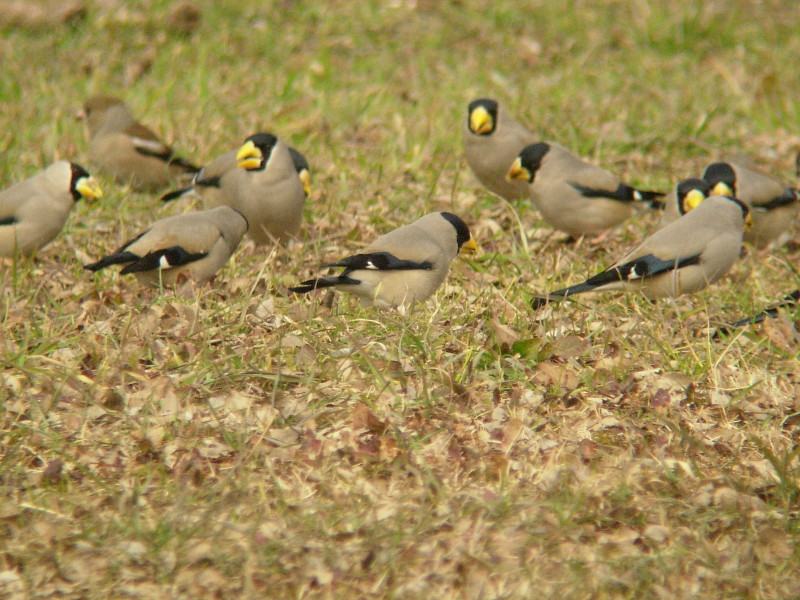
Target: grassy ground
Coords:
[[231, 441]]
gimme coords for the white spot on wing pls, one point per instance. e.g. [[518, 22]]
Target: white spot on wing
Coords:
[[163, 263]]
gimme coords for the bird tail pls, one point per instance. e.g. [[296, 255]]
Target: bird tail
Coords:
[[322, 282], [118, 258], [579, 288], [790, 300], [175, 194]]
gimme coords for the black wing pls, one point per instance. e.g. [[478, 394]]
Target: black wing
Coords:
[[639, 268], [9, 220], [623, 193], [165, 258], [380, 261], [788, 197]]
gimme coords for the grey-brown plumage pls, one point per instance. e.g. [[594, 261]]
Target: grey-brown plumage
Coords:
[[688, 194], [492, 141], [194, 245], [684, 257], [403, 266], [573, 195], [261, 181], [268, 191], [773, 204], [33, 211], [128, 151]]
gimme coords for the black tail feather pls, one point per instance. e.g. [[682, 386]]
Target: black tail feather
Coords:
[[174, 194], [579, 288], [118, 258], [322, 282], [184, 164]]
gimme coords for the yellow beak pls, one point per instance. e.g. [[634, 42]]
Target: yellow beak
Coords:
[[517, 171], [468, 247], [249, 156], [722, 189], [89, 188], [480, 121], [305, 177], [693, 199]]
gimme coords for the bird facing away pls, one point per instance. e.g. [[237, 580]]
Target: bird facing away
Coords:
[[195, 245], [492, 141], [773, 204], [126, 150], [403, 266], [685, 256], [259, 180], [688, 194], [573, 195], [33, 211]]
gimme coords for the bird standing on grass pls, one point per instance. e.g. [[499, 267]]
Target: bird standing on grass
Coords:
[[573, 195], [33, 211], [193, 245], [492, 140], [128, 151], [773, 204], [261, 181], [683, 257], [403, 266]]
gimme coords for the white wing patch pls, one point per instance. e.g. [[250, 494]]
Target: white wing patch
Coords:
[[153, 146], [163, 263]]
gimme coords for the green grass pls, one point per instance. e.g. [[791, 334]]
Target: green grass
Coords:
[[233, 441]]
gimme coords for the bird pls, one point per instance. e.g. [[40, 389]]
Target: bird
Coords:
[[260, 180], [791, 299], [194, 245], [33, 211], [492, 140], [573, 195], [773, 204], [208, 183], [688, 194], [127, 150], [684, 257], [403, 266]]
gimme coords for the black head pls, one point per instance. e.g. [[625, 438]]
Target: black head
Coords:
[[264, 141], [531, 158], [462, 231], [477, 121], [260, 147], [78, 173], [720, 172], [690, 193]]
